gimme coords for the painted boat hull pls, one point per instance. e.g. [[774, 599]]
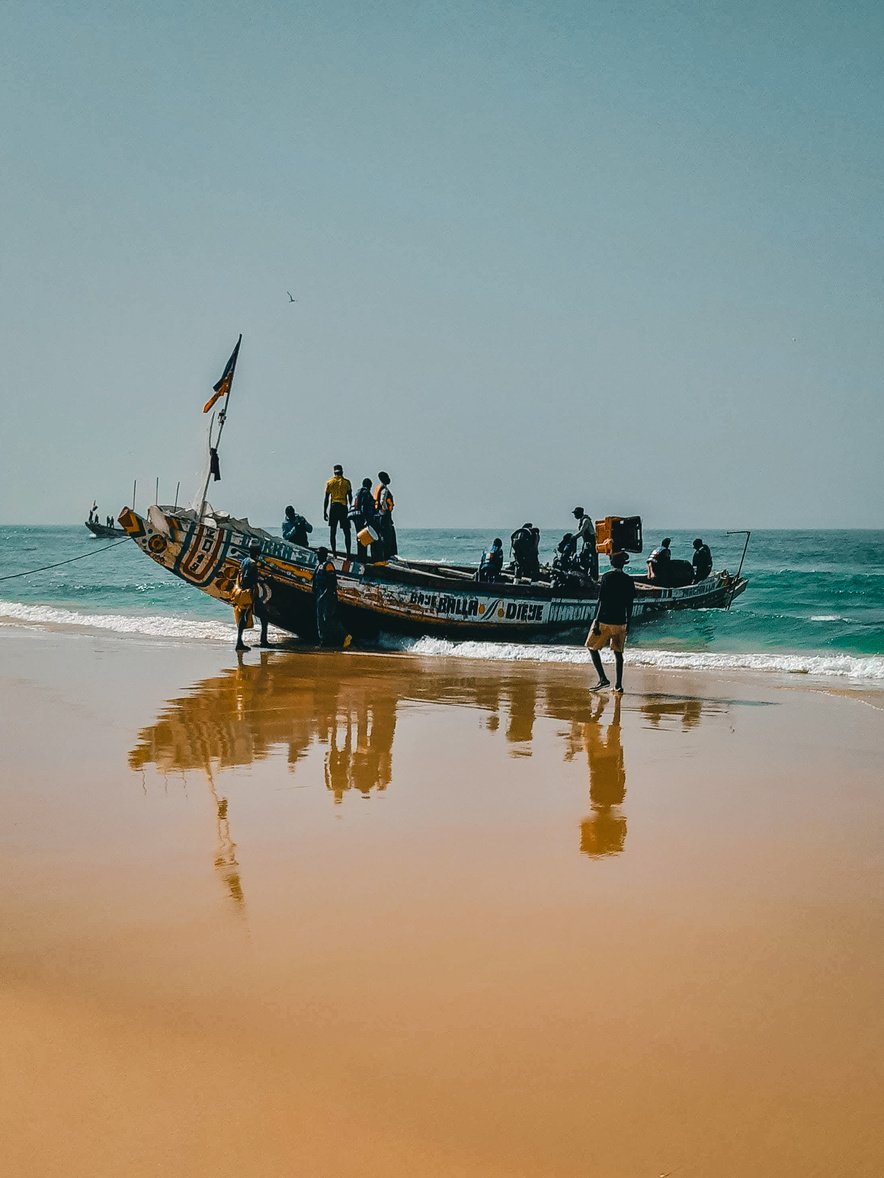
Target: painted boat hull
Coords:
[[395, 598]]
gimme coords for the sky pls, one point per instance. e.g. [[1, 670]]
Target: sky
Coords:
[[623, 255]]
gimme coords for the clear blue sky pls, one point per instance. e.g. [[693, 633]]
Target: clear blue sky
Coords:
[[626, 255]]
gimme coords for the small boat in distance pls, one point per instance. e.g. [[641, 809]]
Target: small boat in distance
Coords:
[[102, 530], [399, 596]]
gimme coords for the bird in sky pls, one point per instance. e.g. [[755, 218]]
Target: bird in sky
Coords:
[[291, 300]]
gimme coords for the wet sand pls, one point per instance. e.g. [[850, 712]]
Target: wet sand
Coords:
[[380, 915]]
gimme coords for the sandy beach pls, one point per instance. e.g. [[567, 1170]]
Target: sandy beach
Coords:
[[354, 914]]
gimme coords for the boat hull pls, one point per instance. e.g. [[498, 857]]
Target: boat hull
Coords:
[[394, 598]]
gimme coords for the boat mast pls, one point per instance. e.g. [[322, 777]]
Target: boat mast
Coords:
[[223, 387], [747, 534]]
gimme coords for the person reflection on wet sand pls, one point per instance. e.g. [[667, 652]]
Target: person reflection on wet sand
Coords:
[[604, 832], [656, 710], [251, 712], [368, 765], [522, 713]]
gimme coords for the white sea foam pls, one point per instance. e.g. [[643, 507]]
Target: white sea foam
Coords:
[[841, 666], [828, 618], [183, 629], [151, 626]]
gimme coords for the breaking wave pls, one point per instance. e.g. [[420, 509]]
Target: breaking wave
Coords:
[[179, 628], [150, 626], [841, 666]]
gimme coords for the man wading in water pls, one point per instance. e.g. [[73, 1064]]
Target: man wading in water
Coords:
[[609, 626]]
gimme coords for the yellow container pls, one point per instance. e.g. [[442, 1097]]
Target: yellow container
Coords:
[[367, 536]]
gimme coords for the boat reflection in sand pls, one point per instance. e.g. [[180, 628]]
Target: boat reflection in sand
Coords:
[[293, 702]]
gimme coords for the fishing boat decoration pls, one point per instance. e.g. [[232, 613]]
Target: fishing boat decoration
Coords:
[[205, 548]]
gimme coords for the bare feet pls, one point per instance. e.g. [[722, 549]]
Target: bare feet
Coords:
[[241, 646]]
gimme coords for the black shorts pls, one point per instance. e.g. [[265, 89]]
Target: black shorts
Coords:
[[337, 514]]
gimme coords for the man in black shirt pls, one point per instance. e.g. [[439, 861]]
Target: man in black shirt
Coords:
[[609, 626], [701, 560]]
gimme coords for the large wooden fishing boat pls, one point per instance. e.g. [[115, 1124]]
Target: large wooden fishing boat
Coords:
[[399, 596]]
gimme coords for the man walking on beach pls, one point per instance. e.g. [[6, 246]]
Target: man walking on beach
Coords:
[[609, 626], [335, 505]]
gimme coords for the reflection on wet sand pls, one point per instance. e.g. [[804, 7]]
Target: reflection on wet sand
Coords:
[[604, 832], [293, 702]]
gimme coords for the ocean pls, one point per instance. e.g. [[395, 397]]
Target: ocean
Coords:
[[814, 606]]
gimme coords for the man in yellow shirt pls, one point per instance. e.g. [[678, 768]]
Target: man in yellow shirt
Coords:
[[338, 498]]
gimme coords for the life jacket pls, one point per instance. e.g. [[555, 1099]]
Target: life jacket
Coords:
[[383, 503]]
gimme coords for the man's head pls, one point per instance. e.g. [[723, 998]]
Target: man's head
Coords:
[[618, 559], [322, 553], [698, 543], [366, 482], [338, 469], [383, 478], [666, 541], [254, 548], [578, 513], [497, 542], [290, 512]]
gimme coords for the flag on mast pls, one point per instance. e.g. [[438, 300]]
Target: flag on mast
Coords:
[[222, 388]]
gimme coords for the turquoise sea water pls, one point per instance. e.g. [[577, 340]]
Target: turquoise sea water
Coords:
[[815, 602]]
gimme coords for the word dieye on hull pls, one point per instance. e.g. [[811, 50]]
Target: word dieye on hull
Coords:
[[417, 598]]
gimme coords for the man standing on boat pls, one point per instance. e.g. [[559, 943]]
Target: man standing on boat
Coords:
[[588, 555], [363, 515], [335, 505], [383, 502], [611, 621], [701, 560]]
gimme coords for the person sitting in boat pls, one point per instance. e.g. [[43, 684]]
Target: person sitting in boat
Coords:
[[491, 564], [659, 560], [566, 551], [329, 629], [525, 542], [247, 603], [384, 504], [568, 571], [701, 560], [295, 528]]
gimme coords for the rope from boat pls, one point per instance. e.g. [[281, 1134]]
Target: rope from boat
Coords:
[[58, 564]]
